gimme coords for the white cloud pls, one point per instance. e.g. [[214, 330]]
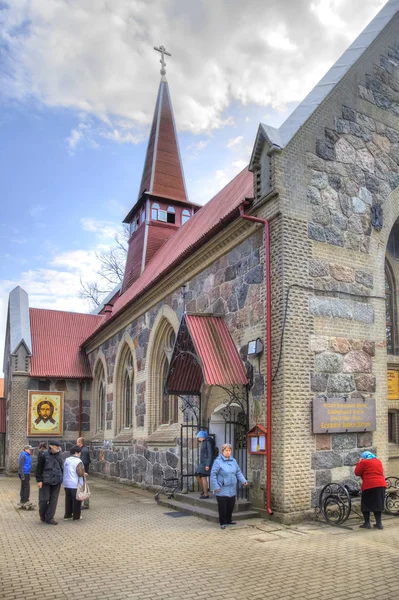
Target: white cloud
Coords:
[[103, 229], [240, 164], [278, 39], [97, 57], [202, 144], [207, 187], [82, 134], [122, 137], [235, 143]]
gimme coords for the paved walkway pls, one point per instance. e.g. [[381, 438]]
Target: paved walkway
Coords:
[[126, 546]]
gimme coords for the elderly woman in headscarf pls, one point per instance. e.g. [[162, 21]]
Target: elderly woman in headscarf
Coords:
[[370, 469], [207, 455]]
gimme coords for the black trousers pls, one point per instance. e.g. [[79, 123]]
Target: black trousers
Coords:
[[225, 508], [72, 506], [377, 515], [48, 498], [25, 489]]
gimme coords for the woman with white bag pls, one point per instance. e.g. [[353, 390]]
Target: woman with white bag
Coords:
[[73, 471]]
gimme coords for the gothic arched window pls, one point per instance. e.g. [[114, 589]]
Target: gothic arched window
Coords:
[[100, 398], [127, 392], [389, 310], [169, 404], [165, 406]]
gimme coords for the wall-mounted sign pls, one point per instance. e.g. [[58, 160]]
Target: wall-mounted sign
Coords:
[[335, 415], [45, 412], [393, 384]]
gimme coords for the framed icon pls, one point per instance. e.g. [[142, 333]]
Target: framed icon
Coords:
[[45, 414]]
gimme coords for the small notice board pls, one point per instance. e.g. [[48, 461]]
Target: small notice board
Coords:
[[393, 384]]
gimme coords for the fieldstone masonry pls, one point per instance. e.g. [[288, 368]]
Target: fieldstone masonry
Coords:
[[229, 287], [355, 167]]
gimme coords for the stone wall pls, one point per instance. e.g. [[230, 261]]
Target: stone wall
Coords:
[[231, 286], [336, 175]]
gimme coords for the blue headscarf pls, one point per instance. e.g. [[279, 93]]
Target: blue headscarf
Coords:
[[202, 434], [368, 455]]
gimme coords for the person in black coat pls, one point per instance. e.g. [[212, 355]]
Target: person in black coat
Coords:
[[206, 460], [49, 472]]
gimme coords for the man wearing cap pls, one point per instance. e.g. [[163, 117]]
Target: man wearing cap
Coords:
[[24, 468], [49, 478]]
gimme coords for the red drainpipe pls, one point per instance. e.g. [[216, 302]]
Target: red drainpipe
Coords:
[[80, 406], [268, 316]]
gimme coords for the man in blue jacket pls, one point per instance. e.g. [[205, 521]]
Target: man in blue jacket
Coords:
[[24, 469]]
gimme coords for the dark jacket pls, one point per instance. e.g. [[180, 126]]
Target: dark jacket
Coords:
[[206, 452], [85, 457], [49, 468]]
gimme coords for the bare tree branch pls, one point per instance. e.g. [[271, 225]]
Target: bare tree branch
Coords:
[[110, 272]]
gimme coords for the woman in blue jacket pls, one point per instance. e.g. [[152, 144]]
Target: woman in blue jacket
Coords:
[[224, 475]]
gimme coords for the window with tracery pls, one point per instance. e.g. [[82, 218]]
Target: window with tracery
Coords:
[[168, 405], [389, 311], [127, 392], [100, 392]]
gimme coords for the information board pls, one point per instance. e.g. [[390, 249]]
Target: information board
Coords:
[[335, 415]]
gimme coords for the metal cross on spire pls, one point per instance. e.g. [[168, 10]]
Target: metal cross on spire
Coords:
[[163, 51]]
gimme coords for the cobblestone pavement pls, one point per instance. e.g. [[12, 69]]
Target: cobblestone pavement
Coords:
[[126, 546]]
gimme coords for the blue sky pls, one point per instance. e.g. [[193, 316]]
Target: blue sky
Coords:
[[78, 83]]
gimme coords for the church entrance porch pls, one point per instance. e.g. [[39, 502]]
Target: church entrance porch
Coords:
[[208, 375]]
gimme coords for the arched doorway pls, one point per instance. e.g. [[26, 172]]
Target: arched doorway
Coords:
[[228, 424]]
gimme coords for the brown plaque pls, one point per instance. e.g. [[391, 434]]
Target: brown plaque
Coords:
[[335, 415]]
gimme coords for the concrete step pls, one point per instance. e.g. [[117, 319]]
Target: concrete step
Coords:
[[211, 503], [208, 513]]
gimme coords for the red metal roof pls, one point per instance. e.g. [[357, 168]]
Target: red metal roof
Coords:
[[193, 234], [218, 361], [56, 340], [163, 173]]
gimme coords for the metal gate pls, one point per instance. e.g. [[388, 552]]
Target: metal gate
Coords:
[[235, 419]]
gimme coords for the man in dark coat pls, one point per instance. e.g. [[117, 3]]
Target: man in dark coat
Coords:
[[85, 458], [49, 478]]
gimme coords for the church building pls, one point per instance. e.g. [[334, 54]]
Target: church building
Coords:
[[268, 316]]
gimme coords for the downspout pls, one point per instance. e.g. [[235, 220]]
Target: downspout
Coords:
[[268, 360], [80, 406]]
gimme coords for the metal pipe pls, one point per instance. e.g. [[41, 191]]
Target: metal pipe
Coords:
[[268, 318]]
